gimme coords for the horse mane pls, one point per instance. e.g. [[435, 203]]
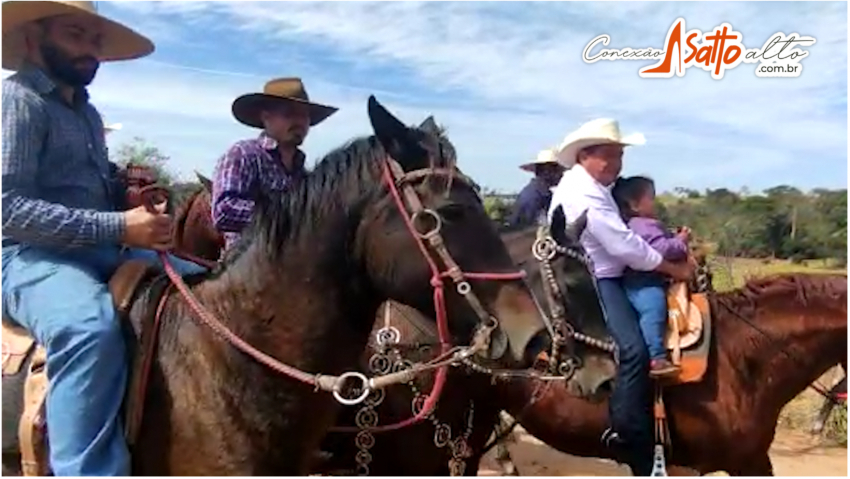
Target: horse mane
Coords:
[[806, 289], [338, 181]]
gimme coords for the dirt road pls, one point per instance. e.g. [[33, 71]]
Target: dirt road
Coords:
[[793, 454]]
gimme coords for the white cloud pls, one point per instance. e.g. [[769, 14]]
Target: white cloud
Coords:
[[507, 79]]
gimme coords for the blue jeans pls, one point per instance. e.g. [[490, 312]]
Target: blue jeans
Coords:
[[649, 298], [64, 302], [630, 407]]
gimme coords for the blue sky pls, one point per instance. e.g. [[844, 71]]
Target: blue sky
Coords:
[[506, 79]]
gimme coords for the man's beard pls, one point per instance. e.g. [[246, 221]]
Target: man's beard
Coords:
[[69, 71], [295, 138]]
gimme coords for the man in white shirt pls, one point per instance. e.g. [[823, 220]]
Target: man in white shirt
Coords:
[[594, 154]]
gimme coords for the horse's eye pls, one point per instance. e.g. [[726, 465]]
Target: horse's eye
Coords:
[[452, 212]]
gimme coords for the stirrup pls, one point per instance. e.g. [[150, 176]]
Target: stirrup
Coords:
[[609, 437], [659, 464]]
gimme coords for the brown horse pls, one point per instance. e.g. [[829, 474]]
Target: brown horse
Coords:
[[194, 232], [773, 338], [304, 287], [465, 394]]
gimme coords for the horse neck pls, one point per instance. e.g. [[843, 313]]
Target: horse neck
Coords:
[[802, 341], [303, 309], [308, 302]]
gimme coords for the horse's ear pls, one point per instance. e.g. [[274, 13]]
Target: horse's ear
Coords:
[[205, 182], [394, 136], [430, 126], [575, 229], [558, 226]]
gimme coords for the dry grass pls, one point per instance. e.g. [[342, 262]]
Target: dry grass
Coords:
[[730, 273]]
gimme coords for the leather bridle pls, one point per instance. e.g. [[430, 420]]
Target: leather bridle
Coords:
[[545, 249]]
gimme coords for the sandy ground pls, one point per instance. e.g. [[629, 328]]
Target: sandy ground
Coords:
[[793, 454]]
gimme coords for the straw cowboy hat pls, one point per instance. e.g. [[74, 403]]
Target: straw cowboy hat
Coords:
[[247, 108], [119, 42], [603, 131], [546, 156]]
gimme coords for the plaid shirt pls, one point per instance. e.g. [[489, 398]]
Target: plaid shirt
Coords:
[[251, 167], [59, 188]]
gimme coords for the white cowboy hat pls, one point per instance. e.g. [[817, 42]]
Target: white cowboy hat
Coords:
[[119, 42], [544, 157], [603, 131]]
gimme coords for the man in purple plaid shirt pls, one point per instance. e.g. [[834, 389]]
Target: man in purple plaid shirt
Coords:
[[268, 164]]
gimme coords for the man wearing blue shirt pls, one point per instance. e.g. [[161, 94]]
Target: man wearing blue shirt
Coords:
[[533, 201], [65, 231]]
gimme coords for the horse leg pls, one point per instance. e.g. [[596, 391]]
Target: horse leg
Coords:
[[823, 415], [828, 405], [754, 466], [503, 455], [503, 458], [12, 464]]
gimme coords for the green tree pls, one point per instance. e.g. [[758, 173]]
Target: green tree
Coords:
[[140, 152], [498, 209], [782, 222]]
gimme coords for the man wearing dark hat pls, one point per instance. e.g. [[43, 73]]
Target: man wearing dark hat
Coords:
[[64, 229], [268, 164]]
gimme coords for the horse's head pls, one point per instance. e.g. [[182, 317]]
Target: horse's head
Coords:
[[431, 216], [194, 232], [593, 376]]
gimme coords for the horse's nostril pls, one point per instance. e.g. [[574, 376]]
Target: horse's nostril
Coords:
[[539, 343], [607, 387]]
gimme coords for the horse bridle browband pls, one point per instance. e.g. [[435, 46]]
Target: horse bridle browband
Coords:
[[411, 209]]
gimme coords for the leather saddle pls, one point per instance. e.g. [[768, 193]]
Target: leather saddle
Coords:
[[688, 332]]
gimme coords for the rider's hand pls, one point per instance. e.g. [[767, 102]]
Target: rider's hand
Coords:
[[684, 234], [146, 230], [678, 271], [682, 271]]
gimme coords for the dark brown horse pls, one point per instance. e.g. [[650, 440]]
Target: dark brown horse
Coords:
[[465, 394], [304, 287], [773, 338]]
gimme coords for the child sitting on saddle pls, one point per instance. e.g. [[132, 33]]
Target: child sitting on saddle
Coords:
[[647, 291]]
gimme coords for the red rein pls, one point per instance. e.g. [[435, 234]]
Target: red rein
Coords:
[[439, 307]]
